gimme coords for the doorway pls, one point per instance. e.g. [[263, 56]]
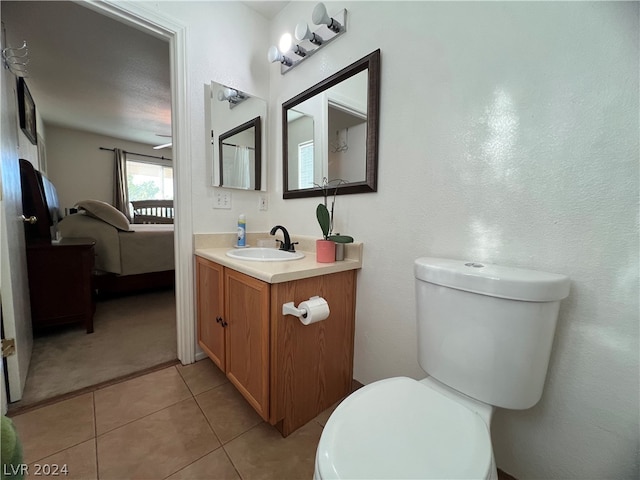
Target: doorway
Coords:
[[166, 28]]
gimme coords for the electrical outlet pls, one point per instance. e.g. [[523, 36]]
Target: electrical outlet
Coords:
[[222, 200], [262, 203]]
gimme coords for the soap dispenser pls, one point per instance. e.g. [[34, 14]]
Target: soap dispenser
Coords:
[[242, 231]]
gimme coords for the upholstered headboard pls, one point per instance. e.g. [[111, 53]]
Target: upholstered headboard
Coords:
[[39, 200]]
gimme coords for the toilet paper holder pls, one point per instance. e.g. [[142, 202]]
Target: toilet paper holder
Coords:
[[302, 313], [290, 309]]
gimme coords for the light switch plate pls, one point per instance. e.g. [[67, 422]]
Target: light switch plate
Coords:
[[263, 203], [222, 200]]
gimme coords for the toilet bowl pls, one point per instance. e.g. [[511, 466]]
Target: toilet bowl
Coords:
[[484, 338], [404, 428]]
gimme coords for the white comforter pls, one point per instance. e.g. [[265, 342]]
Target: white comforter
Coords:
[[146, 248]]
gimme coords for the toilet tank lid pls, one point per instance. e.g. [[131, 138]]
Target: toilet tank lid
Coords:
[[493, 280]]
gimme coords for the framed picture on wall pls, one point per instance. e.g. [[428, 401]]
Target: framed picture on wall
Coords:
[[27, 111]]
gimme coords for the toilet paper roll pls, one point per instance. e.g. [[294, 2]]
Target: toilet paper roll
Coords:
[[316, 308]]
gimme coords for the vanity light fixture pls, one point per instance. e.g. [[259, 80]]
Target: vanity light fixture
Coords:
[[291, 54], [231, 95]]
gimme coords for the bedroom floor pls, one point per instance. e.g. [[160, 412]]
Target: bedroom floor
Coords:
[[132, 333], [181, 422]]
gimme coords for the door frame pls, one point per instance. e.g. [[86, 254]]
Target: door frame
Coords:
[[169, 29]]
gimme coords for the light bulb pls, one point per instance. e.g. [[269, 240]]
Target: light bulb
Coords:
[[285, 42], [303, 33], [274, 55], [321, 17], [226, 94]]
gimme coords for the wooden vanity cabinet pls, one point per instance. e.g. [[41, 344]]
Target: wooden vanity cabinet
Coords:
[[246, 325], [210, 310], [287, 371], [233, 329], [311, 365]]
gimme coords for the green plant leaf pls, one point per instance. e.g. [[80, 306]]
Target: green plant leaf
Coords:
[[323, 219], [340, 238]]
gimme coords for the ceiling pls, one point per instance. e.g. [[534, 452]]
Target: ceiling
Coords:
[[92, 73], [267, 8], [89, 72]]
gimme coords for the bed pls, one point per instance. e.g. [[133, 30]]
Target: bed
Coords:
[[129, 257]]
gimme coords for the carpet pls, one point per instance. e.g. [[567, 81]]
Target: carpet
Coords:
[[132, 333]]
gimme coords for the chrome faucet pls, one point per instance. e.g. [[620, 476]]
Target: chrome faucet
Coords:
[[286, 245]]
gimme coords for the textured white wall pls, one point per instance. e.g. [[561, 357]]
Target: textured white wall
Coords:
[[79, 169], [508, 134], [225, 43]]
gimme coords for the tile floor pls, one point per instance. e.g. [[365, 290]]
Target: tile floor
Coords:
[[182, 422]]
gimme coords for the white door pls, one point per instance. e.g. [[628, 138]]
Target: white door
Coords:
[[14, 286]]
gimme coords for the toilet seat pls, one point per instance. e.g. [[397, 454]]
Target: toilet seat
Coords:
[[401, 428]]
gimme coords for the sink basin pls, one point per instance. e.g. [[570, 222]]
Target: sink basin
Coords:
[[263, 254]]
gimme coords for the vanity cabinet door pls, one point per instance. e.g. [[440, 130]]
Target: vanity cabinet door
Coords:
[[247, 335], [210, 303], [311, 365]]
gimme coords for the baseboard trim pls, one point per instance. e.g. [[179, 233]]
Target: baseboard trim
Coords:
[[200, 355]]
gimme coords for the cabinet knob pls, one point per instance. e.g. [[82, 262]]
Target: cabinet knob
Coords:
[[221, 321]]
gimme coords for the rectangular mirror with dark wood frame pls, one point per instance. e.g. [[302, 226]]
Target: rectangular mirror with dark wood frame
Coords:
[[330, 133]]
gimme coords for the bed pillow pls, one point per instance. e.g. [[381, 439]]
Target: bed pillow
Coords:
[[105, 212]]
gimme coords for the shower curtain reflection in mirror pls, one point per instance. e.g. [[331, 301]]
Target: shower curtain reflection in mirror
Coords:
[[240, 156], [241, 168]]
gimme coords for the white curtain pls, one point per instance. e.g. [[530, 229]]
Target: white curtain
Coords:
[[242, 168], [120, 194]]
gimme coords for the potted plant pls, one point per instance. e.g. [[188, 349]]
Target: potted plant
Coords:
[[330, 247]]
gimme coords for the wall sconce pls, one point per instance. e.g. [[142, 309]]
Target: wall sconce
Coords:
[[290, 54], [231, 95]]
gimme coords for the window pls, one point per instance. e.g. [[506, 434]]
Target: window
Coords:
[[305, 164], [149, 181]]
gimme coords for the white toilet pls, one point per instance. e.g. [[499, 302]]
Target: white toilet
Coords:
[[484, 337]]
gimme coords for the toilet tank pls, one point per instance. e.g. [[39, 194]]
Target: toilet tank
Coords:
[[485, 330]]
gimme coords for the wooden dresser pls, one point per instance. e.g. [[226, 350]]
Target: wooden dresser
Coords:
[[60, 283], [60, 273]]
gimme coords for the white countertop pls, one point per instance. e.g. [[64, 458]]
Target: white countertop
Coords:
[[285, 271]]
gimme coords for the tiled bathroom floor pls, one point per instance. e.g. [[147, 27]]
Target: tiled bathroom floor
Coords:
[[182, 422]]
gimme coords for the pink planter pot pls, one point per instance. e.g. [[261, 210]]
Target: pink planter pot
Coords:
[[325, 251]]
